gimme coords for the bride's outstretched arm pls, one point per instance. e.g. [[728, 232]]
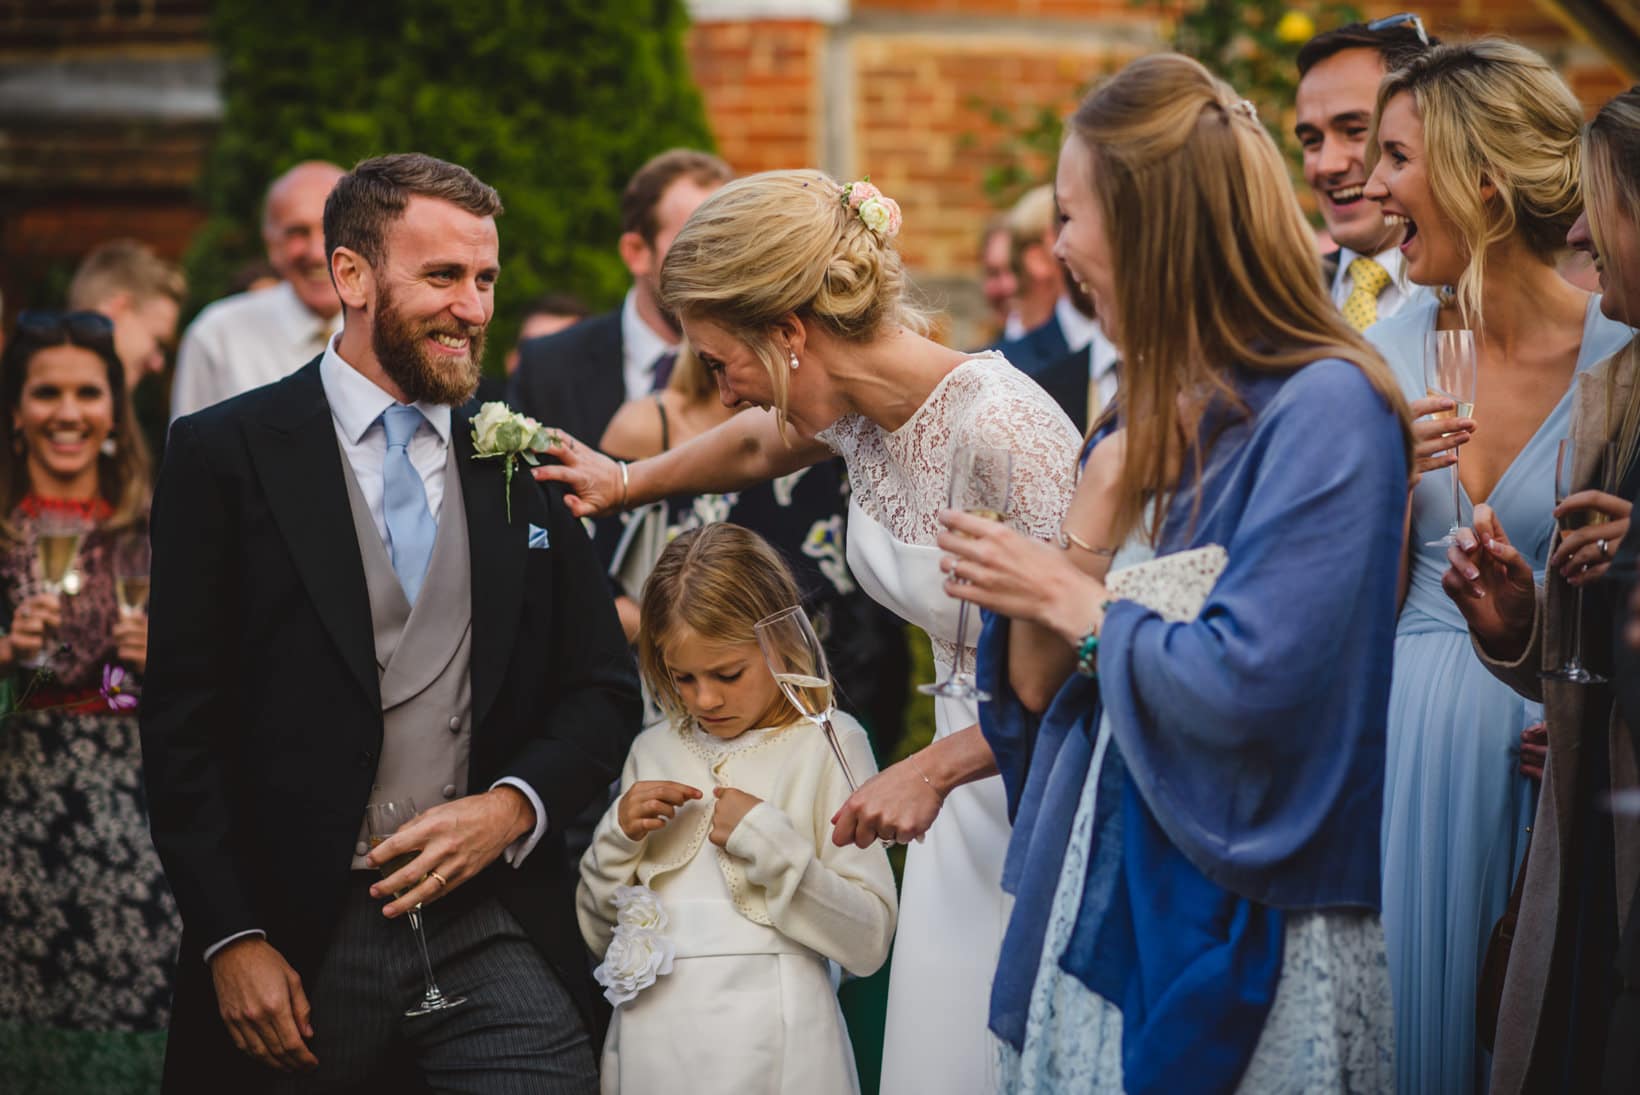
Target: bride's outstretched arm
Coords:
[[744, 451]]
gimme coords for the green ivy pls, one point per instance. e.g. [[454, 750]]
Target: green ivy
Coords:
[[555, 105]]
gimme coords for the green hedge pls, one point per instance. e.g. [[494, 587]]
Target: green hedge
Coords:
[[553, 103]]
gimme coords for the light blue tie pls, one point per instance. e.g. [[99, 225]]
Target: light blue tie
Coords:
[[410, 525]]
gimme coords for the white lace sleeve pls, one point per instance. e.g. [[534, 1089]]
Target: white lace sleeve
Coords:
[[1012, 412]]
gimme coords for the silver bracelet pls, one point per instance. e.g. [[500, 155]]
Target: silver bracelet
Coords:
[[1067, 539]]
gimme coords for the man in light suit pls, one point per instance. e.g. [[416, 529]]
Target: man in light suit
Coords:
[[344, 612]]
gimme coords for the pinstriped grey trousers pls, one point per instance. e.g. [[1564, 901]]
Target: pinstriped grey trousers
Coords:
[[518, 1033]]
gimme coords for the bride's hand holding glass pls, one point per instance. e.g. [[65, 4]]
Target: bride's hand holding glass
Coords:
[[994, 567]]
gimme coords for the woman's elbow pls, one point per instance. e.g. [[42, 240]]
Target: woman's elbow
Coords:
[[1033, 691]]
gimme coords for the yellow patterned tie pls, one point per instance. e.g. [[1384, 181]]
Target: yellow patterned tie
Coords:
[[1361, 306]]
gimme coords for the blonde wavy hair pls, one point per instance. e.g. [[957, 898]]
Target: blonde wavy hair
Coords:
[[783, 243], [1494, 111], [1173, 145], [718, 580], [1611, 174]]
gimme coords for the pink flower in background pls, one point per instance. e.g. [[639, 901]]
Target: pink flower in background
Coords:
[[115, 692]]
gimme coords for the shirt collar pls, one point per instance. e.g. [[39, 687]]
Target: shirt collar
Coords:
[[1077, 328], [356, 401], [295, 316], [1102, 355], [1391, 260], [641, 345]]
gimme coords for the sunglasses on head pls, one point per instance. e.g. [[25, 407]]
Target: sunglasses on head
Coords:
[[1404, 19], [53, 327]]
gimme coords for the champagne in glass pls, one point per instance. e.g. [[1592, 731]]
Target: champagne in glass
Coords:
[[132, 591], [1449, 373], [57, 539], [131, 557], [383, 819], [810, 695], [980, 481], [1579, 465], [798, 662]]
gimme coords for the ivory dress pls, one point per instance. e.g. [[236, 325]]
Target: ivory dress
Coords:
[[952, 910]]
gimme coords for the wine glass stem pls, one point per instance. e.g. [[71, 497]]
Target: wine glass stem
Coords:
[[433, 992], [1457, 504], [962, 639]]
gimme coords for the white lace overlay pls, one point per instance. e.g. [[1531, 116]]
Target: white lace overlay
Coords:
[[902, 479]]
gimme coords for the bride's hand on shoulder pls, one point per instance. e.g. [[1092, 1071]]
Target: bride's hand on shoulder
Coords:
[[592, 481]]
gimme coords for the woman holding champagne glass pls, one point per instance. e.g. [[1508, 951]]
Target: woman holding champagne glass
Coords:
[[91, 929], [1552, 1018], [790, 289], [1477, 155]]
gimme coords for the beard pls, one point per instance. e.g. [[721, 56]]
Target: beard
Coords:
[[423, 375]]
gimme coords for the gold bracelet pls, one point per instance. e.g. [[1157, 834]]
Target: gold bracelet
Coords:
[[914, 767], [1067, 539], [624, 486]]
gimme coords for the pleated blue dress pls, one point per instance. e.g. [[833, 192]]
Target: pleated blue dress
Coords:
[[1456, 808]]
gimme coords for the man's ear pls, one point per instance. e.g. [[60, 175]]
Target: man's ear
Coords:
[[354, 278], [637, 254]]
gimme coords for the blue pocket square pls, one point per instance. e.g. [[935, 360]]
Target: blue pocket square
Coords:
[[538, 537]]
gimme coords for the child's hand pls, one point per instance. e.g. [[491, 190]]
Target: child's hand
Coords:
[[649, 804], [732, 805]]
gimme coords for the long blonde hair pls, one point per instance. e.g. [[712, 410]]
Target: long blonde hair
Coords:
[[1611, 172], [1216, 265], [1494, 111], [718, 580], [784, 243]]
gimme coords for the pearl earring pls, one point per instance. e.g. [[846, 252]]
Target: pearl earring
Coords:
[[794, 360]]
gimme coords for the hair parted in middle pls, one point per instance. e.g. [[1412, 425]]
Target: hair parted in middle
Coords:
[[1494, 112], [785, 243], [377, 191], [1171, 144], [719, 581]]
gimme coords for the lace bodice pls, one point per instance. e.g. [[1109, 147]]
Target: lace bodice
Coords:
[[901, 479]]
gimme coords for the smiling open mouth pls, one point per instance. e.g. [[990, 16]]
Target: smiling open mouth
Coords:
[[1406, 224], [1346, 195]]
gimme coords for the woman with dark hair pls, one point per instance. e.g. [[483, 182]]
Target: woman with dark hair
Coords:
[[91, 929]]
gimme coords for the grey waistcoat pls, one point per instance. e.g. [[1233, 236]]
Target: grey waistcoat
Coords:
[[423, 658]]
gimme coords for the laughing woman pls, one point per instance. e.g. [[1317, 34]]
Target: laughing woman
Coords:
[[1478, 154]]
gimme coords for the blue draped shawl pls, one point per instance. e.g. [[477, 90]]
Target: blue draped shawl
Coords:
[[1245, 774]]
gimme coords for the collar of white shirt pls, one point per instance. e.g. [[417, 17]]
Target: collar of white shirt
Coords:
[[641, 347], [1078, 328], [356, 401], [1390, 260]]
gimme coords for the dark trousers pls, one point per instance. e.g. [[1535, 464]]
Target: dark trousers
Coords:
[[518, 1032]]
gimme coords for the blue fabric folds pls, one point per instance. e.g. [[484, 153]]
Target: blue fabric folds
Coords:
[[1245, 773]]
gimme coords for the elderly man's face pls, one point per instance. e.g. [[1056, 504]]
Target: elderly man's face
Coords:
[[293, 229]]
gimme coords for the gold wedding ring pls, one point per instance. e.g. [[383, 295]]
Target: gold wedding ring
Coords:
[[442, 881]]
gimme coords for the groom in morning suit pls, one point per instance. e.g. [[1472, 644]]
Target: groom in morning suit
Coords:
[[343, 612]]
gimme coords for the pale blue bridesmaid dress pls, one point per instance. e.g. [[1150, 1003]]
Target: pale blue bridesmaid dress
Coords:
[[1456, 808]]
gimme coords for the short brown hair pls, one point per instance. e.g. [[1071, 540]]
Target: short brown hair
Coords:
[[124, 266], [649, 185], [375, 193]]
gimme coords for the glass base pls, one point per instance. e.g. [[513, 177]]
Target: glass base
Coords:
[[958, 686], [1572, 674], [434, 1001]]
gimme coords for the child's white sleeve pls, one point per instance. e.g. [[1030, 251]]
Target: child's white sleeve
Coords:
[[611, 860], [838, 901]]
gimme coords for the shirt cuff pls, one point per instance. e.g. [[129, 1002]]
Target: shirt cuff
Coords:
[[515, 852], [210, 951]]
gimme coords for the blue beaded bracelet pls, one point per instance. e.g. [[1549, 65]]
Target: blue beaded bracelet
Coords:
[[1087, 653]]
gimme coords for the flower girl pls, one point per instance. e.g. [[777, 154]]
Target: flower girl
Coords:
[[712, 890]]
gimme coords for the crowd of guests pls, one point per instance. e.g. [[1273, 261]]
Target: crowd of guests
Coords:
[[1280, 772]]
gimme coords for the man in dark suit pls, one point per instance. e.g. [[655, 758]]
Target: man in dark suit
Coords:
[[575, 380], [345, 612]]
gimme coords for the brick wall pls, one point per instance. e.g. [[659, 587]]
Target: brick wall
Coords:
[[763, 89]]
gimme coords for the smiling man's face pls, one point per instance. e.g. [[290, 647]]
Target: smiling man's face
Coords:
[[1335, 103]]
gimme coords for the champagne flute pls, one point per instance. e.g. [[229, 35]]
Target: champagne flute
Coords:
[[980, 481], [57, 539], [1449, 373], [383, 819], [131, 560], [1574, 463]]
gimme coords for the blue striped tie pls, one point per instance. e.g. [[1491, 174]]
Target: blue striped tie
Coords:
[[410, 525]]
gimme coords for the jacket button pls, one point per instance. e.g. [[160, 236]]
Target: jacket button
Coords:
[[361, 849], [455, 724], [449, 790], [365, 758]]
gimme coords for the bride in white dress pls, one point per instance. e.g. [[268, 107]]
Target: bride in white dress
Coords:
[[790, 290]]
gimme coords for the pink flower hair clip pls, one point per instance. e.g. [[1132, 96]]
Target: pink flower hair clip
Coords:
[[880, 213]]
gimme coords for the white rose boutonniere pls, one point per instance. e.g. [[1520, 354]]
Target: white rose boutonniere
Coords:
[[639, 952], [501, 433]]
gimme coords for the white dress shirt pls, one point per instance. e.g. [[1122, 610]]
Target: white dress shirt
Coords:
[[243, 342], [1393, 296], [1102, 372], [1077, 328], [356, 406], [641, 347]]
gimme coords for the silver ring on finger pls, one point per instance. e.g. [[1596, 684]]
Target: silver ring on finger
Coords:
[[1604, 552]]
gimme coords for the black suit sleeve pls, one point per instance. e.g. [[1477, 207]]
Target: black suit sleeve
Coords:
[[185, 710], [594, 708]]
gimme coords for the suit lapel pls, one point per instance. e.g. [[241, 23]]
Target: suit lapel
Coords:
[[294, 450], [498, 550]]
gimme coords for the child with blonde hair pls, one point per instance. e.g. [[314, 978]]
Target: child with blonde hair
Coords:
[[712, 891]]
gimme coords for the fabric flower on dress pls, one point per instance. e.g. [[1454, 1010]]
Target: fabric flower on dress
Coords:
[[638, 908], [639, 952]]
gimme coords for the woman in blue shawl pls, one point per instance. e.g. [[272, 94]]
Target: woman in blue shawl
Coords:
[[1195, 855]]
